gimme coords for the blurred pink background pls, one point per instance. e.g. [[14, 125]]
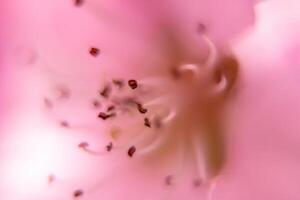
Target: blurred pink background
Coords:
[[44, 46]]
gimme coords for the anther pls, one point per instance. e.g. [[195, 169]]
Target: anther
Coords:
[[147, 122], [83, 145], [106, 91], [110, 108], [201, 28], [109, 147], [131, 151], [105, 116], [94, 51], [64, 124], [77, 193], [175, 73], [48, 103], [96, 103], [168, 180], [64, 93], [157, 122], [51, 178], [133, 84], [197, 182], [141, 109], [118, 83], [78, 2]]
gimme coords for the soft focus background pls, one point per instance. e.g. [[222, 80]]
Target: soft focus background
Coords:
[[44, 46]]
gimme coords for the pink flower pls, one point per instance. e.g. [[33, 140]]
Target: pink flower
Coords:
[[149, 100]]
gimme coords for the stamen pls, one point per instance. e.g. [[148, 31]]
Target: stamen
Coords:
[[77, 193], [189, 67], [141, 109], [63, 93], [201, 28], [106, 91], [96, 103], [78, 2], [94, 51], [147, 122], [169, 180], [157, 122], [199, 157], [197, 182], [111, 108], [105, 116], [48, 103], [171, 115], [212, 56], [133, 84], [109, 147], [65, 124], [118, 83], [83, 145], [131, 151], [156, 144], [51, 178]]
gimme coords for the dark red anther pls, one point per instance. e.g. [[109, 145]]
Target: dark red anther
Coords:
[[169, 180], [106, 91], [65, 124], [83, 145], [110, 108], [105, 116], [147, 122], [131, 151], [141, 108], [118, 83], [133, 84], [78, 2], [109, 147], [94, 51], [77, 193]]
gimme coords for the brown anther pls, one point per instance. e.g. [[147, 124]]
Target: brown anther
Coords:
[[105, 91], [168, 180], [133, 84], [109, 147], [105, 116], [77, 193], [147, 122], [48, 103], [118, 83], [111, 108], [94, 51], [51, 178], [65, 124], [131, 151], [83, 145], [96, 103], [78, 2], [141, 108]]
